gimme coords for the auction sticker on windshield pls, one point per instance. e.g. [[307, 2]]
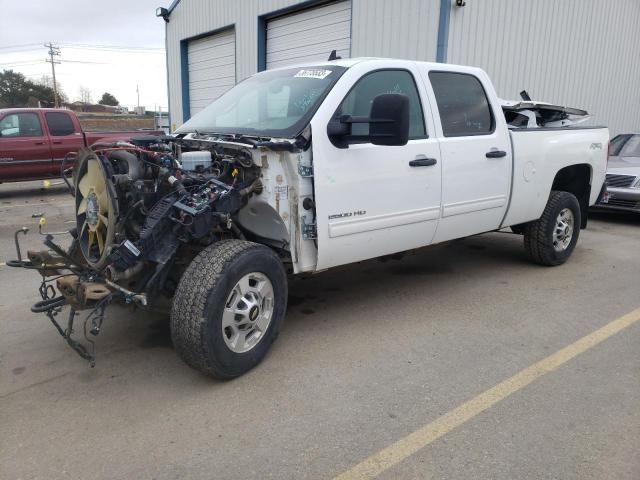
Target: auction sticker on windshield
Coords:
[[315, 73]]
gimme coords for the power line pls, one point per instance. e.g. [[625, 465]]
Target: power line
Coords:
[[44, 74], [35, 75], [84, 45], [14, 51], [8, 47], [66, 60], [28, 63], [23, 63], [97, 45], [117, 48], [123, 49]]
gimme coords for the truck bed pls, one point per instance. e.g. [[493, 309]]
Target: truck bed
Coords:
[[539, 153]]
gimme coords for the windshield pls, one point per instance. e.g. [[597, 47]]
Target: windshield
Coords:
[[276, 103]]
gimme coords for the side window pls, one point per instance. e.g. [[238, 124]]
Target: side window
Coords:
[[463, 104], [617, 143], [60, 124], [358, 101], [632, 147], [21, 125]]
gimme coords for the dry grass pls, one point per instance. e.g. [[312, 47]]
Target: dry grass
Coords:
[[103, 122]]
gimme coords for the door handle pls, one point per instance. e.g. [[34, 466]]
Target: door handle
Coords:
[[423, 162], [39, 143], [496, 154], [57, 143]]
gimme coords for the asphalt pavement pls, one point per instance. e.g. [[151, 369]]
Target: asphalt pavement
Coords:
[[372, 357]]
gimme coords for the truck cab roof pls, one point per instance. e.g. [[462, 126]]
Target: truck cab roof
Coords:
[[28, 109], [350, 62]]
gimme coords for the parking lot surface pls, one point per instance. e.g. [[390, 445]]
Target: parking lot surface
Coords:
[[369, 354]]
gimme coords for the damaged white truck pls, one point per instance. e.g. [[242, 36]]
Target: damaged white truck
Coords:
[[301, 169]]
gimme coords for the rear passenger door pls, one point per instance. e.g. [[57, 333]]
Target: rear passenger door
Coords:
[[476, 155], [24, 149], [64, 136]]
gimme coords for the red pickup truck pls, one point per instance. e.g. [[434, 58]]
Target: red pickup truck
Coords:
[[34, 141]]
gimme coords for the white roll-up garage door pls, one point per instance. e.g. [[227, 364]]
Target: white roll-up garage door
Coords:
[[309, 35], [212, 68]]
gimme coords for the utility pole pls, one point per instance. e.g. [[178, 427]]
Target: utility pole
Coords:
[[53, 52]]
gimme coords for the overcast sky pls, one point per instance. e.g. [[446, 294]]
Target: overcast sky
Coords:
[[27, 24]]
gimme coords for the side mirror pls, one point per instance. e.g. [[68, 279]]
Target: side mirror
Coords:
[[388, 123], [389, 120]]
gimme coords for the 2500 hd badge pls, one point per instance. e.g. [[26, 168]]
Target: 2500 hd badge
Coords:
[[347, 214]]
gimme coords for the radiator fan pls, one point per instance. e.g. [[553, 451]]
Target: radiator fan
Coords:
[[95, 209]]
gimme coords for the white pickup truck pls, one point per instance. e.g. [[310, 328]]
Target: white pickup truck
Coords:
[[305, 168]]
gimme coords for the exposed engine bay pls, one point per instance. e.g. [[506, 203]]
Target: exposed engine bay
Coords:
[[146, 208], [138, 203]]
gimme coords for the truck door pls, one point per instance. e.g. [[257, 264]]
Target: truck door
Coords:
[[476, 155], [24, 148], [65, 137], [374, 200]]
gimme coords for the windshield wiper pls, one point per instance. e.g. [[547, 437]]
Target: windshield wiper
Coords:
[[254, 141], [231, 136]]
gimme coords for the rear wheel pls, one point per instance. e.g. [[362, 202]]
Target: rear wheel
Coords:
[[551, 239], [228, 308]]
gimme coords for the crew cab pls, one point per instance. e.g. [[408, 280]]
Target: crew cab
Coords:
[[305, 168], [34, 141]]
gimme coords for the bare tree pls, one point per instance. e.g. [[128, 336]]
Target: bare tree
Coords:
[[85, 95], [45, 81]]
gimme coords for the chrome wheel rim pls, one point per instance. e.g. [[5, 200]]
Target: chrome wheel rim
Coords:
[[563, 230], [248, 312]]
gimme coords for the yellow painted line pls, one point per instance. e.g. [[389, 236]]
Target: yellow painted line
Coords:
[[403, 448]]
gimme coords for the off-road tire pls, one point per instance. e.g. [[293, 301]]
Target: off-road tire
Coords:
[[538, 235], [196, 314]]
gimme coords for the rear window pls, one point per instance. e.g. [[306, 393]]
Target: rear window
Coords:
[[60, 124], [463, 104]]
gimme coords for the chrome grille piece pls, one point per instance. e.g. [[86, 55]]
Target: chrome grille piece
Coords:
[[619, 202], [620, 181]]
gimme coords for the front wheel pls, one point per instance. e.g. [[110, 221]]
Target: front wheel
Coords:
[[228, 308], [551, 239]]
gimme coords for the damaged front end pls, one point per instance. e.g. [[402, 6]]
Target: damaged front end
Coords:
[[76, 285], [144, 209]]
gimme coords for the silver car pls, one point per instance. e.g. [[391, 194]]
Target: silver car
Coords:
[[623, 174]]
